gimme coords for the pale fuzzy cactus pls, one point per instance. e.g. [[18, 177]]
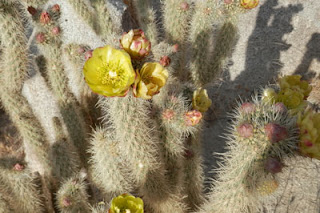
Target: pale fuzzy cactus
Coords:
[[72, 195], [150, 148], [260, 137], [17, 188]]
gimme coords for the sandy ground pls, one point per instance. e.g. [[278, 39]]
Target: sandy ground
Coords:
[[279, 37]]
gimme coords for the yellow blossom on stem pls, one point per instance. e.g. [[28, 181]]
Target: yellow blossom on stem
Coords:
[[109, 72], [200, 100], [150, 79], [293, 92], [126, 203]]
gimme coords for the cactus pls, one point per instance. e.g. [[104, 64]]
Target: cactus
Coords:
[[259, 138], [128, 111]]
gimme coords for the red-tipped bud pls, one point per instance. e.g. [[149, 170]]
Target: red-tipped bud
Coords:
[[273, 165], [88, 54], [175, 48], [247, 107], [165, 60], [66, 202], [18, 167], [33, 11], [228, 1], [40, 37], [193, 117], [188, 154], [55, 8], [184, 6], [275, 132], [308, 143], [280, 107], [245, 130], [45, 17], [81, 50], [56, 30], [168, 114]]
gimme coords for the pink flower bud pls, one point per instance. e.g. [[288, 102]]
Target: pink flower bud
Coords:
[[55, 8], [40, 37], [66, 202], [18, 167], [56, 30], [168, 114], [184, 6], [88, 54], [175, 48], [308, 143], [247, 107], [165, 60], [81, 50], [228, 1], [275, 132], [280, 107], [273, 165], [33, 11], [188, 154], [45, 17], [245, 130], [193, 117]]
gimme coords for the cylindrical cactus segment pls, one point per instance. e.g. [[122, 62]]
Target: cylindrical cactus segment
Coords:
[[258, 141]]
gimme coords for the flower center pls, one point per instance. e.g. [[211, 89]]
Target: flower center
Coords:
[[112, 74]]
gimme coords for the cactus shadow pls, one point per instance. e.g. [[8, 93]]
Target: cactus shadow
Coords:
[[312, 53], [262, 66]]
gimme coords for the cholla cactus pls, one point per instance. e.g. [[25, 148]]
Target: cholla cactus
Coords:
[[149, 91]]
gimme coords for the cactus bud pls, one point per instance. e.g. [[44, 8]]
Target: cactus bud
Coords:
[[33, 11], [81, 50], [280, 107], [188, 154], [165, 60], [273, 165], [136, 44], [308, 143], [175, 48], [184, 6], [245, 130], [168, 114], [55, 30], [45, 17], [228, 1], [88, 54], [247, 108], [275, 132], [192, 118], [40, 37], [55, 8], [18, 167], [66, 202]]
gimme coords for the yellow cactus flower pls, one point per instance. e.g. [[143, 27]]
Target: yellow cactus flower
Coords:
[[126, 203], [200, 100], [249, 4], [136, 44], [293, 92], [309, 124], [150, 79], [109, 72]]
